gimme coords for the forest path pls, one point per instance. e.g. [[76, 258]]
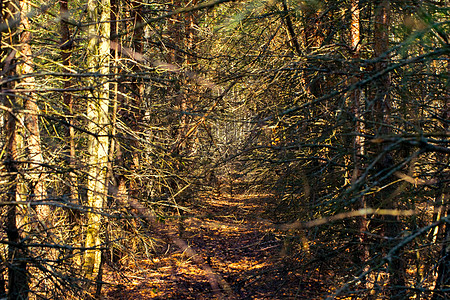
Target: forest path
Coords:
[[229, 236]]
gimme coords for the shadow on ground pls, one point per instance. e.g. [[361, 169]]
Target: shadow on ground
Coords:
[[230, 236]]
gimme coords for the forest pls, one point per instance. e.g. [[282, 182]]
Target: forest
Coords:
[[258, 149]]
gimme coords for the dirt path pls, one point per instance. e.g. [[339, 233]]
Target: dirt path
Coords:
[[243, 252]]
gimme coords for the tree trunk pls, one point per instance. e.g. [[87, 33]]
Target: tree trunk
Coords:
[[66, 53], [293, 39], [381, 115], [443, 278], [31, 120], [97, 114], [17, 267], [357, 106]]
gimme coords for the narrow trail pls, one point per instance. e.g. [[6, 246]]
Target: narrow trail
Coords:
[[228, 234]]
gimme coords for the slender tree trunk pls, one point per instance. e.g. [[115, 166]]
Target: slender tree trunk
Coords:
[[31, 120], [98, 141], [17, 267], [357, 104], [17, 270], [4, 131], [32, 187], [315, 32], [381, 116], [18, 277], [128, 155], [66, 54], [293, 39], [137, 84], [118, 189], [443, 278], [71, 177]]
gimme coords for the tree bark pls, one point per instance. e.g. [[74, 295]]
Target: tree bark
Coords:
[[66, 54], [17, 267], [357, 106], [443, 278], [293, 39], [31, 120], [381, 116], [97, 114]]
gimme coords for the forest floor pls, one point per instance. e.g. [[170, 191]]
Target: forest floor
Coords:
[[238, 251]]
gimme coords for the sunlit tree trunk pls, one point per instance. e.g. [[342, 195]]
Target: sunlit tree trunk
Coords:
[[31, 119], [354, 97], [357, 106], [97, 114], [443, 278]]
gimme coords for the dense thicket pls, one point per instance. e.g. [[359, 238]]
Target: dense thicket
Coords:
[[116, 115]]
